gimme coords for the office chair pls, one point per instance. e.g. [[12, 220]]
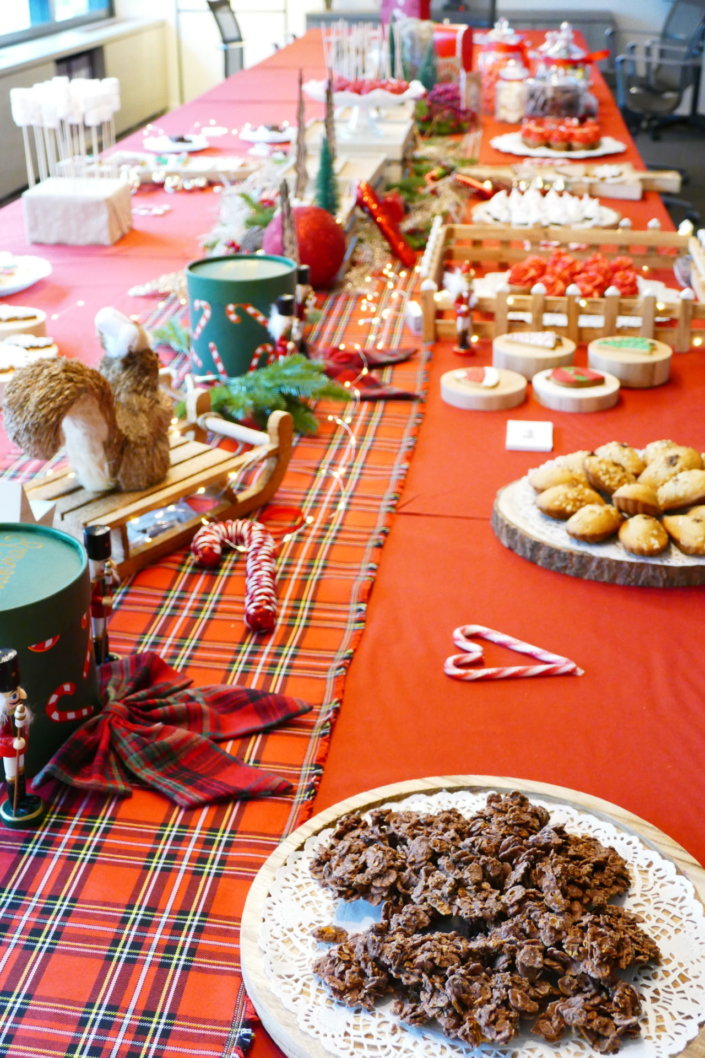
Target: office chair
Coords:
[[652, 76], [230, 35], [477, 15]]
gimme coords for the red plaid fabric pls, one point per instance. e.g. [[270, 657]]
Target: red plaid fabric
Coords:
[[120, 917], [156, 727]]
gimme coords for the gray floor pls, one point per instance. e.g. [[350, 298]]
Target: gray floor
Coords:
[[679, 147]]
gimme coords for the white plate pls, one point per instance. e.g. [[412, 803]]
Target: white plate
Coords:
[[26, 272], [165, 145], [378, 97], [265, 134], [285, 903], [512, 143]]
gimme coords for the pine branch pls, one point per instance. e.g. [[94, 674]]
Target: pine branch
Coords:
[[173, 334]]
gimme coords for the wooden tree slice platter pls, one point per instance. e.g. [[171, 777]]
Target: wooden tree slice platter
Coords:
[[524, 529], [580, 398], [281, 1023], [456, 389], [510, 352], [633, 368]]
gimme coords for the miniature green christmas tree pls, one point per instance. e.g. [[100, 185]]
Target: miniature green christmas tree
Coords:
[[327, 194], [428, 73]]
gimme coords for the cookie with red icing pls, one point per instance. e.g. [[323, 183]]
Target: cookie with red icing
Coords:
[[576, 377]]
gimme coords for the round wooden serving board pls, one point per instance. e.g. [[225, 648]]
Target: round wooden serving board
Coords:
[[634, 370], [523, 528], [510, 352], [578, 398], [509, 391], [280, 1023]]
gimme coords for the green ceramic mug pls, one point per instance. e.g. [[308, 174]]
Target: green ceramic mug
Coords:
[[45, 598], [230, 300]]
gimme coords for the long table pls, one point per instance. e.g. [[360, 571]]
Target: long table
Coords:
[[630, 730]]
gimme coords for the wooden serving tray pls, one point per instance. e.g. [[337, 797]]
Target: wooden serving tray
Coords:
[[533, 538], [581, 178], [280, 1023], [495, 247]]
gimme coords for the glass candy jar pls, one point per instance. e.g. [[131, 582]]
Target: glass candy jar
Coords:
[[510, 92], [502, 45]]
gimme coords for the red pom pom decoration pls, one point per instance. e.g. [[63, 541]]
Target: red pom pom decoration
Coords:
[[321, 239]]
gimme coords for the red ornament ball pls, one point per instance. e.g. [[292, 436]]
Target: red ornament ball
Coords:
[[322, 242]]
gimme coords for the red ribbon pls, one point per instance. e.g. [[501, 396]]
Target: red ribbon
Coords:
[[577, 60], [368, 200]]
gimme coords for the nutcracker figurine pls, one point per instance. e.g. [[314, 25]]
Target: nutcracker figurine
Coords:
[[104, 579], [283, 324], [465, 302], [303, 294], [21, 809]]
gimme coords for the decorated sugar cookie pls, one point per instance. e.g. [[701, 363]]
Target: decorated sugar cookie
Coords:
[[575, 389], [638, 362], [530, 351], [19, 350], [19, 319], [576, 376], [483, 388]]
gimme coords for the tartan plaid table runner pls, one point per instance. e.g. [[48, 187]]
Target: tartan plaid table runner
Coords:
[[120, 917]]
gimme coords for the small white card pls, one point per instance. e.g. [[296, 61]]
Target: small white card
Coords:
[[524, 436]]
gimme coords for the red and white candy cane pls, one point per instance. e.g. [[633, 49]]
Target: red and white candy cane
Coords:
[[65, 690], [251, 310], [456, 665], [199, 304], [219, 365], [231, 311], [260, 591]]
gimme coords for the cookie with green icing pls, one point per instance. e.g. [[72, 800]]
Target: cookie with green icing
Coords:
[[576, 377], [630, 343]]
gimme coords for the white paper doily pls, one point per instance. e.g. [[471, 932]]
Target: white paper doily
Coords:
[[512, 143], [673, 993]]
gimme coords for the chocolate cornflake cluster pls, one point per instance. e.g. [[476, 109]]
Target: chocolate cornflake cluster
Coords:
[[490, 923]]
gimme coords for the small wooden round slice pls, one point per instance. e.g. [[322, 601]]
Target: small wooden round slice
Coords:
[[483, 388], [530, 351], [638, 363], [19, 319], [579, 396]]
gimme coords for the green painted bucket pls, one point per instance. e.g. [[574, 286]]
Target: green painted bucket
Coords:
[[45, 617], [230, 300]]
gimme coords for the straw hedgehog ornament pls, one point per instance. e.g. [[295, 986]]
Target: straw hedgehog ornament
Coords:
[[112, 422]]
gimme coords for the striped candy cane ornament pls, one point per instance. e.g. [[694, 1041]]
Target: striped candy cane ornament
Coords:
[[219, 365], [203, 319], [231, 311], [260, 576], [456, 665]]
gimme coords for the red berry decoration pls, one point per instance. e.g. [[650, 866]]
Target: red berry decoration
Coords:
[[321, 240]]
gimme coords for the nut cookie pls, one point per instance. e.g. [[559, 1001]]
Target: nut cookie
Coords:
[[687, 530], [622, 453], [546, 477], [636, 498], [605, 475], [561, 501], [594, 522], [670, 462], [684, 490], [563, 470], [656, 448], [643, 535]]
